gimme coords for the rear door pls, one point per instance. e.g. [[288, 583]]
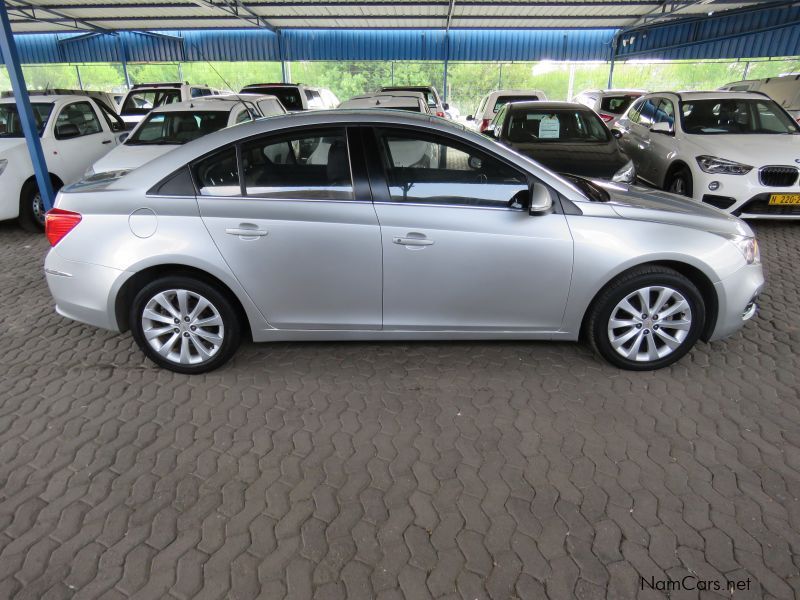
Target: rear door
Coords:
[[297, 227]]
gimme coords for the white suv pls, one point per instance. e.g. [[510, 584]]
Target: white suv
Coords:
[[144, 97], [296, 96], [492, 102], [737, 151], [609, 105], [75, 131]]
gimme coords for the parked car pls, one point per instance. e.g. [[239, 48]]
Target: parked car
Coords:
[[411, 101], [492, 102], [435, 103], [296, 96], [238, 234], [144, 97], [785, 90], [74, 130], [610, 105], [737, 151], [173, 125], [563, 136]]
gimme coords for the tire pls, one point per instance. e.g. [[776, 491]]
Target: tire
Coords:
[[680, 182], [31, 208], [183, 349], [673, 333]]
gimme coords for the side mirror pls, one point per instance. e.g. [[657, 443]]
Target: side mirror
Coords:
[[661, 127], [470, 117], [616, 133], [66, 131], [445, 106], [541, 199]]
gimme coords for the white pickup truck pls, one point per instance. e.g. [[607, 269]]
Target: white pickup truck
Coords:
[[75, 131]]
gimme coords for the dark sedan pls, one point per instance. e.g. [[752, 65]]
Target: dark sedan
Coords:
[[565, 137]]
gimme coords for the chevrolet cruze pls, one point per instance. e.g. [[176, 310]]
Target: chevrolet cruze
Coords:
[[388, 225]]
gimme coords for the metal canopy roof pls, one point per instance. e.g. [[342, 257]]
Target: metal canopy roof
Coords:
[[30, 16]]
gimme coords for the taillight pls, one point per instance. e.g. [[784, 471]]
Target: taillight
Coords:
[[606, 117], [58, 223], [439, 114], [484, 125]]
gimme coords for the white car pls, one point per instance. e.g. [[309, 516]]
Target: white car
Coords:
[[609, 105], [75, 131], [411, 101], [170, 126], [144, 97], [296, 96], [492, 102], [785, 90], [736, 151]]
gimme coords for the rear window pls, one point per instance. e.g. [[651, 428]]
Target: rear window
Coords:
[[142, 102], [289, 96], [503, 100], [430, 98], [533, 125], [617, 104]]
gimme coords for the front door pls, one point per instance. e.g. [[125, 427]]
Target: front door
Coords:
[[80, 140], [460, 251], [302, 242]]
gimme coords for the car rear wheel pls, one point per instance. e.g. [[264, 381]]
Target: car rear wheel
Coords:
[[680, 182], [185, 325], [646, 319], [31, 207]]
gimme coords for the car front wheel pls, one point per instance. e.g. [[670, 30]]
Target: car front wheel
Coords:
[[184, 324], [680, 182], [31, 207], [646, 319]]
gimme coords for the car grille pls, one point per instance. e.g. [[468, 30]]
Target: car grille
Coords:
[[759, 205], [777, 176]]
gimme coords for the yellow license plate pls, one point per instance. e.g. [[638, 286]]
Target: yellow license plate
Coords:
[[784, 199]]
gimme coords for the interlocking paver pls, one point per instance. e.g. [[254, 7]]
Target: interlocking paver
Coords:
[[395, 470]]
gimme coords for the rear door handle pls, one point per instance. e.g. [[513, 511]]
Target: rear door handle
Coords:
[[412, 241], [245, 232], [107, 141]]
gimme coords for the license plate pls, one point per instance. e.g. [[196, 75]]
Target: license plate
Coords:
[[784, 199]]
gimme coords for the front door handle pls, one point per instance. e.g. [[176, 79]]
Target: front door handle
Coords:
[[245, 232], [412, 241], [107, 141]]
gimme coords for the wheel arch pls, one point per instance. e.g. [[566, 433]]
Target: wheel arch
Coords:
[[128, 290], [54, 179], [674, 166], [692, 273]]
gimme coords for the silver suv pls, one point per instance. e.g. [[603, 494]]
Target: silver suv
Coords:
[[389, 225]]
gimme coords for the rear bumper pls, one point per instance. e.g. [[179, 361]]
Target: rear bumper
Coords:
[[84, 292], [736, 297]]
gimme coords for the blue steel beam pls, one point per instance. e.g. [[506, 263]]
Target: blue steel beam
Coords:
[[9, 49]]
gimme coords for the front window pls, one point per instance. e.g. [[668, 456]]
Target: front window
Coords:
[[428, 169], [312, 165], [10, 124], [289, 96], [617, 105], [178, 127], [76, 120], [503, 100], [535, 125], [735, 115], [142, 102]]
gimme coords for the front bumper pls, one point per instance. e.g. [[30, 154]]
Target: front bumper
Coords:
[[82, 291], [744, 196], [736, 297]]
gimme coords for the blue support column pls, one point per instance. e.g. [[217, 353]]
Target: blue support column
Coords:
[[282, 55], [446, 60], [123, 54], [11, 57]]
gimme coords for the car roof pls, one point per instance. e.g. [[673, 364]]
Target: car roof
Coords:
[[400, 88], [44, 98], [712, 95], [193, 105], [547, 105], [515, 92]]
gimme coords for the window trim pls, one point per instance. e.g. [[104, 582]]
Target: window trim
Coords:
[[379, 181]]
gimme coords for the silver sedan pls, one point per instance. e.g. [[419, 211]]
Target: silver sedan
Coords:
[[385, 225]]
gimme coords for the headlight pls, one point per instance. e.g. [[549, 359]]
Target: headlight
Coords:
[[720, 166], [88, 172], [3, 165], [748, 246], [627, 174]]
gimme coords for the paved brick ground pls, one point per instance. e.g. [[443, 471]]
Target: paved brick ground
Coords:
[[467, 470]]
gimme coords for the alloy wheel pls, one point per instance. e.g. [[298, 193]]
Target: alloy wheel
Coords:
[[649, 323], [182, 326]]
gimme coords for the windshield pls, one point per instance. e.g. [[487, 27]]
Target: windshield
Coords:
[[617, 105], [141, 102], [559, 125], [735, 115], [503, 100], [177, 127], [11, 125], [289, 96]]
